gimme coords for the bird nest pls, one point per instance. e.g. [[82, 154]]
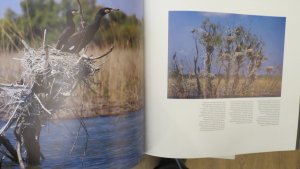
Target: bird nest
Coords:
[[48, 77]]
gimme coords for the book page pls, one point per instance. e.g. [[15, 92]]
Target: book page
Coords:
[[221, 77], [71, 83]]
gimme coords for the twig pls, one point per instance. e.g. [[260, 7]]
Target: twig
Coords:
[[89, 87], [77, 135], [47, 56], [25, 45], [54, 74], [99, 67], [10, 120], [43, 107], [44, 39], [19, 59], [82, 21], [21, 162], [6, 155], [14, 86], [98, 57], [50, 92], [83, 125]]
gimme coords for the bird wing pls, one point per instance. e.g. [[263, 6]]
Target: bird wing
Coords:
[[64, 36], [73, 43]]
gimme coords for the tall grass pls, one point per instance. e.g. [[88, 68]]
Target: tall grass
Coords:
[[263, 86], [10, 67], [117, 88], [10, 36]]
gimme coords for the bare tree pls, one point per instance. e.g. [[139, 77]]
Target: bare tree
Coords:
[[210, 39], [239, 57], [255, 57], [196, 58]]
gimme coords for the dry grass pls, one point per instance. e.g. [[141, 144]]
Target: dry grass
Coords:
[[10, 68], [263, 86], [118, 86]]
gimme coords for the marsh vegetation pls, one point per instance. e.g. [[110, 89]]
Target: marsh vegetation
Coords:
[[116, 89], [40, 83], [227, 62]]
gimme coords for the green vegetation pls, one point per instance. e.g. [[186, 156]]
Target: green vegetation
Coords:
[[117, 28]]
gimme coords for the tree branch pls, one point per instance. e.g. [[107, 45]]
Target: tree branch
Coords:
[[43, 107], [21, 162], [98, 57], [82, 21]]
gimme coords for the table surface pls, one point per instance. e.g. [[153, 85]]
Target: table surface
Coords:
[[274, 160]]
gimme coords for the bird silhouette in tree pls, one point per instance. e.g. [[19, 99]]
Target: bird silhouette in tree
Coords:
[[68, 31], [79, 40]]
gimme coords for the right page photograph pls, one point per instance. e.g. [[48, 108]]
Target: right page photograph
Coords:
[[224, 55], [221, 77]]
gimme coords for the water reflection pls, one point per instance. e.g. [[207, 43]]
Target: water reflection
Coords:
[[112, 142]]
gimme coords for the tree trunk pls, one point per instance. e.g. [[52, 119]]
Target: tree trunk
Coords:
[[197, 77], [208, 63]]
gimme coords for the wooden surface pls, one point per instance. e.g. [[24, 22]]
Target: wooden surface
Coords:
[[275, 160]]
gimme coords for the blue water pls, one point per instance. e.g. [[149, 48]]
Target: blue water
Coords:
[[113, 142]]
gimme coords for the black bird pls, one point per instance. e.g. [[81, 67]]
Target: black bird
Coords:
[[68, 31], [80, 39]]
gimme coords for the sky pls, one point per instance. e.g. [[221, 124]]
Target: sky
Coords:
[[130, 7], [270, 29]]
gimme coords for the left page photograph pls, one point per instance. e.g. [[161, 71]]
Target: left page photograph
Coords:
[[71, 83]]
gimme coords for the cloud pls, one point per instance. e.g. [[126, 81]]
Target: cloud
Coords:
[[182, 52], [215, 14]]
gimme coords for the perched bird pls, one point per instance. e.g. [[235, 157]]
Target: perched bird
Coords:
[[68, 31], [79, 40]]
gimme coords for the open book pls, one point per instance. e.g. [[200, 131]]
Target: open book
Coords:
[[83, 86], [221, 77]]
